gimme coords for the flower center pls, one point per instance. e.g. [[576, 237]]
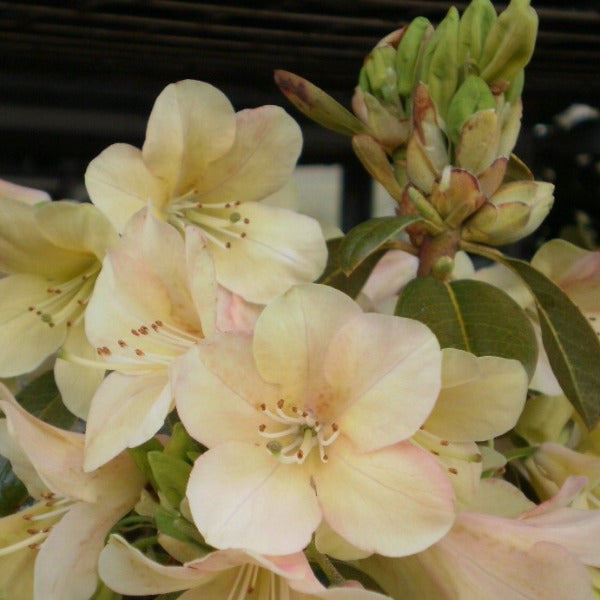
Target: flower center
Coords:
[[222, 223], [301, 432], [67, 301]]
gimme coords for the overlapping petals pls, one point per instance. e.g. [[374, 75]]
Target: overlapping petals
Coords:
[[155, 298], [319, 405], [203, 164]]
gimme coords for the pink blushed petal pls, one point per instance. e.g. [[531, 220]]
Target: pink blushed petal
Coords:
[[267, 144], [218, 390], [126, 411], [385, 372], [395, 501], [292, 335], [56, 455], [260, 498]]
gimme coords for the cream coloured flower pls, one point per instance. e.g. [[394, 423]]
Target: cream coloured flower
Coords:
[[52, 254], [310, 420], [220, 575], [49, 550], [155, 298], [204, 165]]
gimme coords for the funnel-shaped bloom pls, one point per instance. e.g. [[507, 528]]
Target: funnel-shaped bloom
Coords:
[[49, 550], [310, 421], [51, 253], [232, 574], [155, 298], [203, 164]]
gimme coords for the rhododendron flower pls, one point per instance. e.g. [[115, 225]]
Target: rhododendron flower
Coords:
[[49, 550], [52, 253], [155, 298], [231, 574], [204, 165], [528, 552], [311, 420]]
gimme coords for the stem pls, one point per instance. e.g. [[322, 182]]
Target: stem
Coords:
[[332, 574]]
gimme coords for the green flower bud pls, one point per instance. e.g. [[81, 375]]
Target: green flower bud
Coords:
[[475, 25], [440, 62], [514, 91], [380, 67], [472, 96], [409, 52], [513, 212], [544, 418], [510, 43]]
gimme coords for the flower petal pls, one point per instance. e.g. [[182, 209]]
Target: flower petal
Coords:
[[279, 249], [66, 567], [218, 390], [267, 145], [293, 333], [386, 372], [404, 505], [25, 340], [77, 384], [126, 411], [76, 226], [119, 184], [56, 455], [481, 397], [191, 125], [259, 498]]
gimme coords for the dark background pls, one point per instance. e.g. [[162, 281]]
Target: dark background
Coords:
[[79, 75]]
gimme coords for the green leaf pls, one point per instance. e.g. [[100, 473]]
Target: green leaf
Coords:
[[181, 444], [171, 475], [369, 237], [317, 104], [140, 457], [12, 490], [571, 344], [472, 316], [42, 399], [173, 524], [334, 275]]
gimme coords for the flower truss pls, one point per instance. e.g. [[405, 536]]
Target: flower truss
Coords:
[[202, 399]]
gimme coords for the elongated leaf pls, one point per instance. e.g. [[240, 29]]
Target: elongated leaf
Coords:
[[42, 399], [334, 275], [571, 344], [472, 316], [12, 491], [317, 104], [171, 474], [368, 237]]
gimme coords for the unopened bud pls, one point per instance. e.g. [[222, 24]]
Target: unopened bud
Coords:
[[440, 62], [472, 96], [409, 53], [510, 43], [475, 25]]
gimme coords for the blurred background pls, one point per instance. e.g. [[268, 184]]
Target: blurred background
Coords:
[[79, 75]]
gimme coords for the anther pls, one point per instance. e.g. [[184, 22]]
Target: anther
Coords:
[[122, 343], [280, 403], [453, 470], [34, 546], [135, 332], [263, 407], [139, 352], [444, 442], [262, 427], [300, 454], [158, 323], [143, 330], [227, 244], [243, 234], [32, 531], [246, 220], [334, 426]]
